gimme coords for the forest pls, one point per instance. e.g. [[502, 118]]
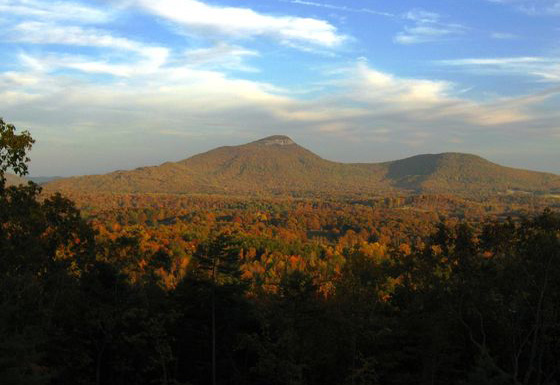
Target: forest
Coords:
[[106, 288]]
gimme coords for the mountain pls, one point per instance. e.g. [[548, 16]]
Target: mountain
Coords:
[[465, 173], [278, 165], [43, 179]]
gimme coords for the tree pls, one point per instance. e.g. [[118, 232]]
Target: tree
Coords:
[[44, 245], [215, 312], [13, 151], [18, 355]]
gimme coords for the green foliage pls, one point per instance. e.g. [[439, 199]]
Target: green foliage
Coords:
[[13, 150]]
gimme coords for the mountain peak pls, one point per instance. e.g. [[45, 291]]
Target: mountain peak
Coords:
[[277, 165], [277, 140]]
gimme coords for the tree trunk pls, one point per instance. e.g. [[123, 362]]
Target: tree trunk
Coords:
[[214, 322]]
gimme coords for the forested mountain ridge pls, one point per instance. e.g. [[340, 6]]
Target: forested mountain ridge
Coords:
[[43, 179], [278, 165], [457, 173]]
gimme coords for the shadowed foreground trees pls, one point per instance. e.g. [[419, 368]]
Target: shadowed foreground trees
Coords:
[[471, 305]]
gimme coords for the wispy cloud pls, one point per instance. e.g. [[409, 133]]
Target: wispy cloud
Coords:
[[533, 7], [37, 32], [222, 55], [241, 23], [118, 61], [126, 57], [427, 27], [54, 10], [342, 8], [503, 35], [423, 100], [544, 68]]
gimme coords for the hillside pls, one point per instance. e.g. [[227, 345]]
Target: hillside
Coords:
[[277, 165], [43, 179], [465, 173]]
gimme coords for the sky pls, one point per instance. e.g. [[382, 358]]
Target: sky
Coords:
[[105, 85]]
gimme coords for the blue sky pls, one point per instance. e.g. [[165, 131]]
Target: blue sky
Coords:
[[105, 85]]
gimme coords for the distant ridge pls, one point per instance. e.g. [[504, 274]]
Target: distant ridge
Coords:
[[278, 165], [43, 179]]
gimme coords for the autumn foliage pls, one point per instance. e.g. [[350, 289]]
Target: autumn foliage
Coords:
[[182, 289]]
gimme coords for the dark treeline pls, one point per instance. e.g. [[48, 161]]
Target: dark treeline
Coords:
[[471, 304]]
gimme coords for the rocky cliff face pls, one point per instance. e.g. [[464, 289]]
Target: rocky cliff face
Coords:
[[276, 140]]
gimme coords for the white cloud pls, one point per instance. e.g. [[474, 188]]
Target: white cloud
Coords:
[[36, 32], [494, 61], [360, 93], [244, 22], [544, 68], [423, 100], [422, 16], [342, 8], [54, 10], [427, 27], [119, 62], [11, 78], [148, 61], [533, 7], [145, 59], [503, 36], [222, 55], [152, 61]]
